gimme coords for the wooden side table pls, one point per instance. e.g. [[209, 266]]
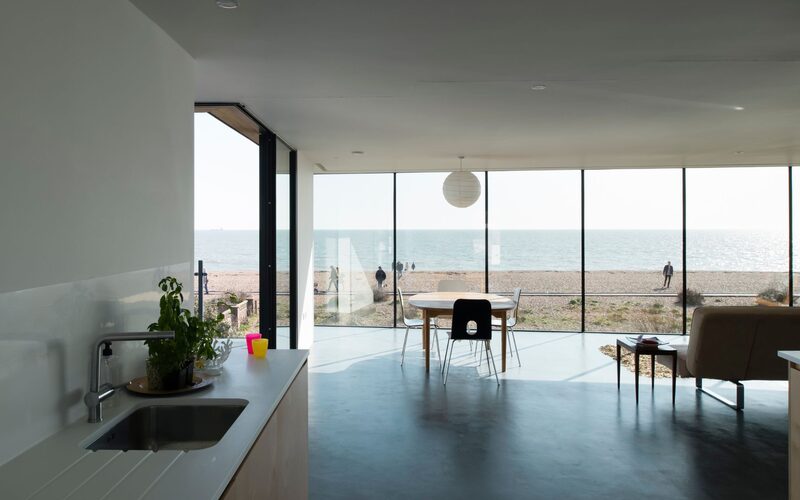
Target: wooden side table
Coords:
[[652, 351]]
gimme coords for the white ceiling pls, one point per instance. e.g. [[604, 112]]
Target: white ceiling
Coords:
[[416, 83]]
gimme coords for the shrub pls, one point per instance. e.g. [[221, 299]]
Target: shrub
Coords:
[[774, 294], [234, 298], [693, 298], [227, 300], [655, 323], [378, 295], [223, 330]]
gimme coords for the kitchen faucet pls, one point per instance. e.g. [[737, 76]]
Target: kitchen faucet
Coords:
[[97, 394]]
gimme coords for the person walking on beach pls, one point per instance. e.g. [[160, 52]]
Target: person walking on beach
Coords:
[[667, 272], [413, 266], [205, 282], [399, 270], [333, 281], [380, 277]]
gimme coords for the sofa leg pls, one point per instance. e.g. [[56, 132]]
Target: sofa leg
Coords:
[[738, 405], [739, 395]]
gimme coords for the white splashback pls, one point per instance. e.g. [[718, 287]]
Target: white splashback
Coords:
[[46, 336]]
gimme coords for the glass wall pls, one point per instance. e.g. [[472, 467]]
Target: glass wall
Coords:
[[435, 240], [353, 217], [737, 232], [226, 222], [795, 233], [633, 250], [283, 255], [535, 244], [737, 243]]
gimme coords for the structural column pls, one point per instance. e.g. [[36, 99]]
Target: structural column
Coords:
[[267, 172]]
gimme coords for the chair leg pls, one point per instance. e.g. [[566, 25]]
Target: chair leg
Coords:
[[438, 352], [447, 364], [436, 337], [449, 355], [489, 354], [403, 356], [446, 350], [514, 338]]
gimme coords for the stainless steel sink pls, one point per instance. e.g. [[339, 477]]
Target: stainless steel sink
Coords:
[[171, 427]]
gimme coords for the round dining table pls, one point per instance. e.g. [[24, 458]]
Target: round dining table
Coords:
[[441, 304]]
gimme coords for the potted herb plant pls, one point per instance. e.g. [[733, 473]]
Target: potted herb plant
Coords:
[[170, 362]]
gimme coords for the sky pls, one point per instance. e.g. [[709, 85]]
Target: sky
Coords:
[[226, 179], [226, 195]]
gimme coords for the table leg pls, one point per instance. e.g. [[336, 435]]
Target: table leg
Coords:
[[653, 372], [636, 369], [619, 362], [426, 333], [503, 339], [674, 369]]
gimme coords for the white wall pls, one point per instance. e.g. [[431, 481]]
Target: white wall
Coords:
[[96, 195], [305, 251], [95, 142]]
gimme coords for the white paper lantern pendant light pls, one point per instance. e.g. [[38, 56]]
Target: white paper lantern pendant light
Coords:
[[461, 189]]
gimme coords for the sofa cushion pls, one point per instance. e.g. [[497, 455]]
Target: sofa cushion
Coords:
[[742, 342], [777, 333]]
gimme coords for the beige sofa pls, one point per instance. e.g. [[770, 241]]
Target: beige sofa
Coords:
[[736, 343]]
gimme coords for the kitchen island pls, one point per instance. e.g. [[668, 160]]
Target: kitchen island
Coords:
[[264, 454]]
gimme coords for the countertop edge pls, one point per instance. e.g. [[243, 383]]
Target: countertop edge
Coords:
[[235, 468], [791, 356]]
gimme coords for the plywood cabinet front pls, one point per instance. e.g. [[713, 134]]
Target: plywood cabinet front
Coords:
[[277, 465]]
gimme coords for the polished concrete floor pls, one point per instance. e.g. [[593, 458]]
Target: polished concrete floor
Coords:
[[555, 428]]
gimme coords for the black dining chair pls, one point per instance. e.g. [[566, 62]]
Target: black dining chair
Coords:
[[469, 313]]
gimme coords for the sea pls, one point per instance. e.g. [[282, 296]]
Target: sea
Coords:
[[509, 250]]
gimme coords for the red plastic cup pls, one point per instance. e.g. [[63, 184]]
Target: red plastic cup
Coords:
[[249, 338]]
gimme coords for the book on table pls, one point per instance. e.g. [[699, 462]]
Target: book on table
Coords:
[[643, 341]]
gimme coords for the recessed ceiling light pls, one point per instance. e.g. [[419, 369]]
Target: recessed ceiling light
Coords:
[[227, 4], [538, 87], [738, 108], [357, 152]]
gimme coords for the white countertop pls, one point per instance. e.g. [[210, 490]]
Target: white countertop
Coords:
[[793, 356], [61, 467]]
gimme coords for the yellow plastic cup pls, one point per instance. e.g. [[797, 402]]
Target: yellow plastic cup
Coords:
[[260, 347]]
